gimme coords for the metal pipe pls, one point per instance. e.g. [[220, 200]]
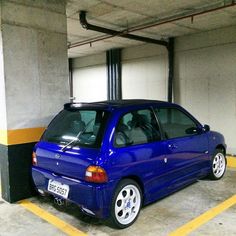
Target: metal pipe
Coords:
[[123, 34], [109, 90], [191, 15], [84, 42], [71, 79], [59, 201], [171, 69]]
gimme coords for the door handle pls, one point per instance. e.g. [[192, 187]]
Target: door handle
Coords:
[[172, 146]]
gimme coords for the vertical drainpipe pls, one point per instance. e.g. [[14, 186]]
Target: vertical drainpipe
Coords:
[[71, 79], [114, 74], [109, 76], [170, 49]]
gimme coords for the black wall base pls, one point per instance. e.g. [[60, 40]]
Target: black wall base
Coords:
[[15, 163]]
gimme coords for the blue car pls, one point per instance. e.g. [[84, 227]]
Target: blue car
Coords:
[[112, 157]]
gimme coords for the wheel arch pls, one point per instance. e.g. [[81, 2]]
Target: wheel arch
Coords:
[[221, 147], [137, 180]]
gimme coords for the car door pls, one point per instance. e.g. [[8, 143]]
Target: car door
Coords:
[[139, 151], [186, 146]]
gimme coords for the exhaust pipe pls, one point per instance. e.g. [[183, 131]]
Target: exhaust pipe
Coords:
[[59, 201], [42, 193]]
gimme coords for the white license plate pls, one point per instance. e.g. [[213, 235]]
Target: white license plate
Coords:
[[58, 188]]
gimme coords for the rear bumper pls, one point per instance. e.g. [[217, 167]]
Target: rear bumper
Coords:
[[93, 197]]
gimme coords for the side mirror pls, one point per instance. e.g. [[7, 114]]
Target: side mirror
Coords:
[[192, 130], [206, 128]]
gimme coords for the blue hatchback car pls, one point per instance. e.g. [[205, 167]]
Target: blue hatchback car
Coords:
[[113, 157]]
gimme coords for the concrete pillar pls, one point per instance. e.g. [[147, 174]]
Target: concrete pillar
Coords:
[[33, 84]]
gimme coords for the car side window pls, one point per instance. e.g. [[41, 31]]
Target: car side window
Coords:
[[137, 127], [175, 123]]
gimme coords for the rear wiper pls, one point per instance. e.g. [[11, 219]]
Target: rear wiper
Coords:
[[77, 136]]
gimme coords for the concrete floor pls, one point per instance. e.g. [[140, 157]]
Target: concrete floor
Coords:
[[159, 218]]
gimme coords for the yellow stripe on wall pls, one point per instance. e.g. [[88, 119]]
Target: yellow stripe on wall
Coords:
[[21, 136], [3, 137]]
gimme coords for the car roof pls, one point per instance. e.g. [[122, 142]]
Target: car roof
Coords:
[[115, 104]]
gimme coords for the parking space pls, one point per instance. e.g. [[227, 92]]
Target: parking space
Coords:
[[221, 224], [165, 217], [16, 220]]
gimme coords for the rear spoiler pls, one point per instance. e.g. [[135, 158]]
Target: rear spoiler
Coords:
[[87, 105]]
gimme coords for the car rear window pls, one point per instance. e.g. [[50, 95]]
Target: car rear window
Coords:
[[84, 126]]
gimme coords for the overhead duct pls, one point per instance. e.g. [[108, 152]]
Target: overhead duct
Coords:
[[123, 34], [116, 94]]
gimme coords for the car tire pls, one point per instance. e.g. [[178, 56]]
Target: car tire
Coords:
[[126, 204], [218, 165]]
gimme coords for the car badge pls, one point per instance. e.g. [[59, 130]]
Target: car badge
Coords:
[[57, 155]]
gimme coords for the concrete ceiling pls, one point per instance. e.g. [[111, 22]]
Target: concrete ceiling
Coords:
[[127, 14]]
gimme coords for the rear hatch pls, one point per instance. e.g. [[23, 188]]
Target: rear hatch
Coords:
[[69, 163], [72, 141]]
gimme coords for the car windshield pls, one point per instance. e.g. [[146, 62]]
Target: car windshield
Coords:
[[80, 127]]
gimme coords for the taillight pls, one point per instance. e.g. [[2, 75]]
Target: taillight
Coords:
[[96, 174], [34, 159]]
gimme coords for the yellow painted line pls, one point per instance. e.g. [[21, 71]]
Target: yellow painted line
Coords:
[[60, 224], [20, 136], [205, 217], [231, 161]]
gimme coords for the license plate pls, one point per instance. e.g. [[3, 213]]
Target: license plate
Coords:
[[58, 188]]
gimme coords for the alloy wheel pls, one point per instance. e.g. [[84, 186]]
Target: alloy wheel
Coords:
[[218, 166], [127, 204]]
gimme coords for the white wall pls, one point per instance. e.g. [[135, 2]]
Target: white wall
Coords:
[[90, 78], [144, 72], [205, 79]]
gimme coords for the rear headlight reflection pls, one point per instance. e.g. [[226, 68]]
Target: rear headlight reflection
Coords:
[[34, 159]]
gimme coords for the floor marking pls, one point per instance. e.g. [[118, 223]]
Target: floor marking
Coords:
[[60, 224], [205, 217], [231, 161]]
